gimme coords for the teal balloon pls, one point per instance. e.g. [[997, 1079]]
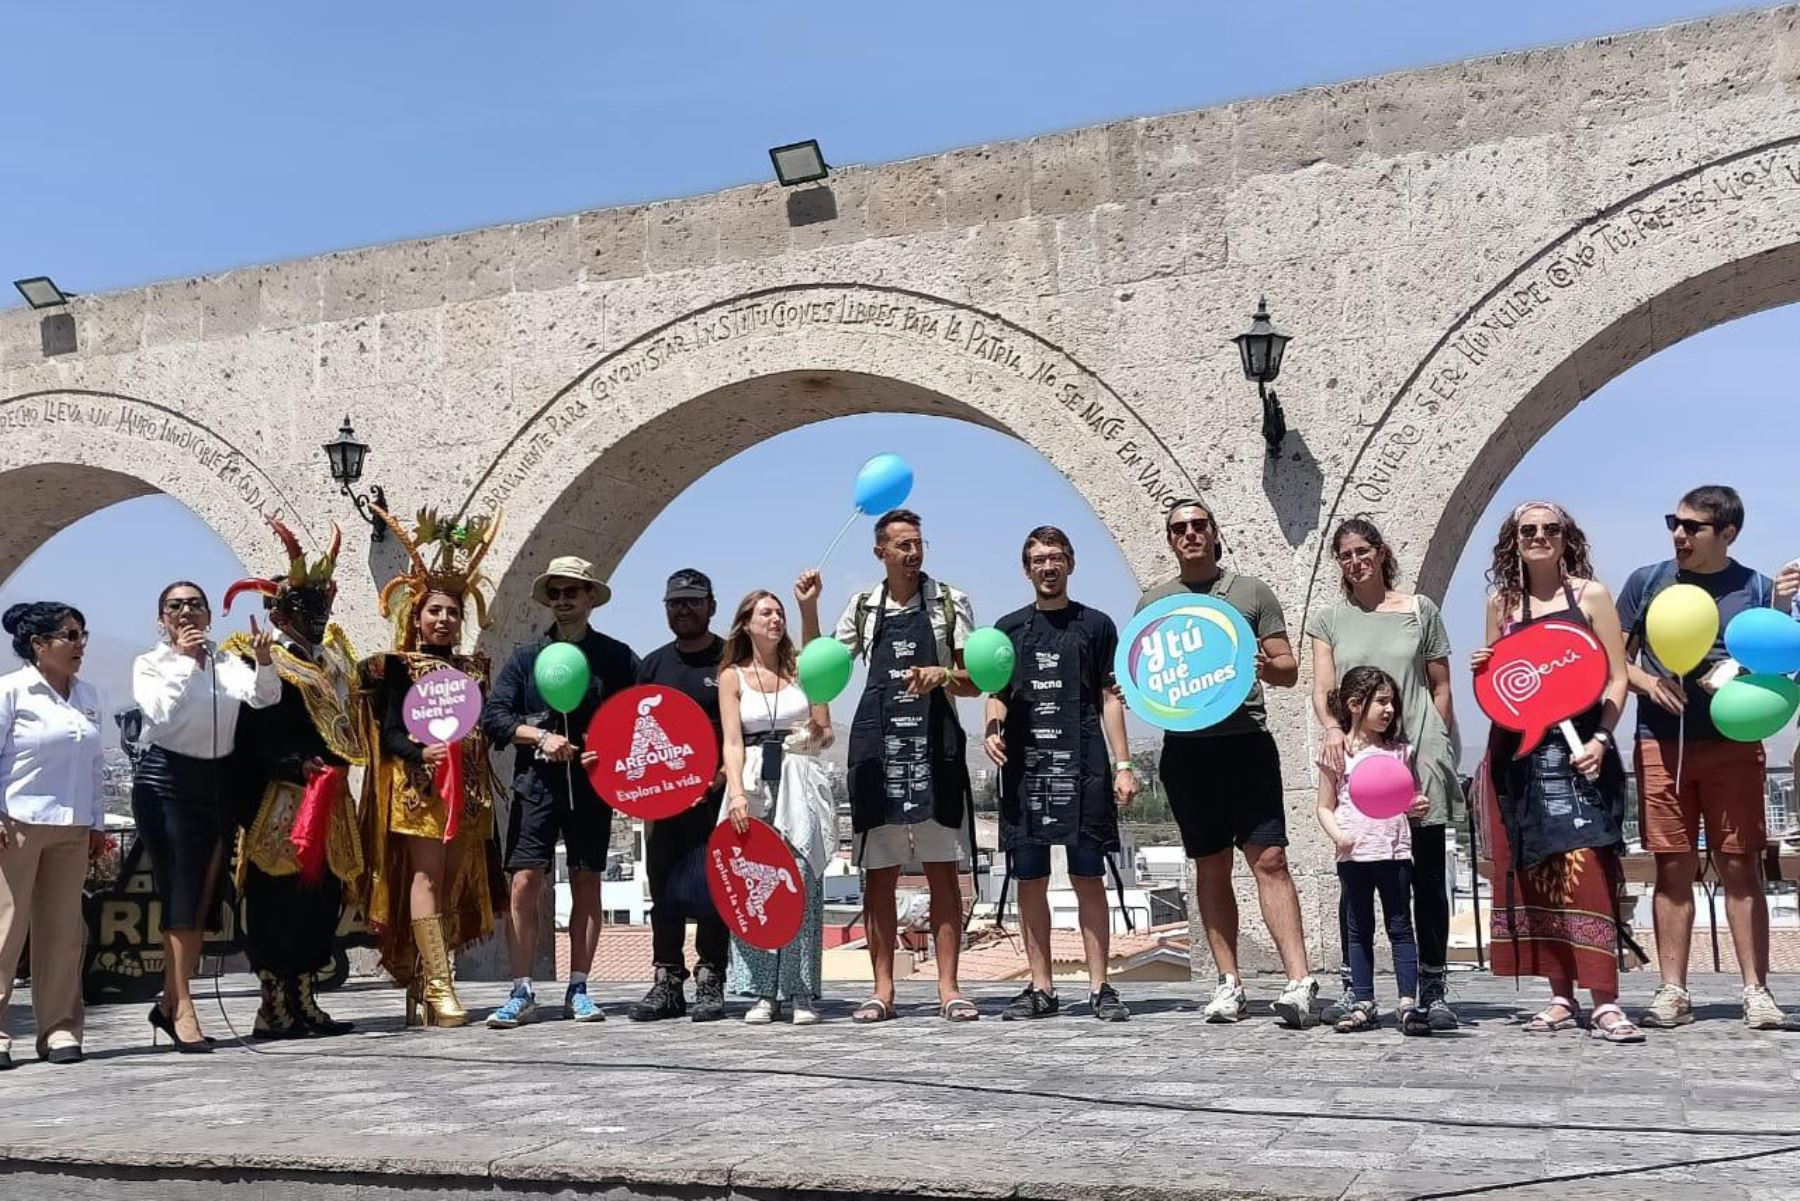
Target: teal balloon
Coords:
[[1765, 641], [1752, 708], [824, 670], [884, 483], [562, 675], [989, 658]]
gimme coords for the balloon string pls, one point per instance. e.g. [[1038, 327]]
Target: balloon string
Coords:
[[1680, 748], [848, 522]]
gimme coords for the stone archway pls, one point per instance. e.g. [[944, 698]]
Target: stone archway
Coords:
[[595, 464]]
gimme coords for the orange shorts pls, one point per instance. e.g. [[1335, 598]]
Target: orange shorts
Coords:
[[1721, 781]]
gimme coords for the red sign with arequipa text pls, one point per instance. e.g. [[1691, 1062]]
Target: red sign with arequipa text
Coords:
[[657, 754]]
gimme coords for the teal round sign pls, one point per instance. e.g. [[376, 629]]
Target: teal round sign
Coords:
[[1186, 662]]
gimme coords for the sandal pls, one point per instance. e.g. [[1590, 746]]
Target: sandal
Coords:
[[1414, 1021], [871, 1011], [1620, 1030], [959, 1009], [1361, 1016], [1542, 1023]]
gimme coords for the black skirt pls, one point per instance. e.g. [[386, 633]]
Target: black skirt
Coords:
[[179, 806]]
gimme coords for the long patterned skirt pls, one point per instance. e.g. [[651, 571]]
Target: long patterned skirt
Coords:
[[752, 972], [1560, 922]]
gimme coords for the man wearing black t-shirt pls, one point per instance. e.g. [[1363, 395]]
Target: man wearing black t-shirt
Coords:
[[1047, 732], [552, 796], [678, 891]]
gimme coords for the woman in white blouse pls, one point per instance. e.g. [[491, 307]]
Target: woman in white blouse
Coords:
[[189, 695], [51, 819]]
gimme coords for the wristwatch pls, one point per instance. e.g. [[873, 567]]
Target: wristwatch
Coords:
[[1603, 736]]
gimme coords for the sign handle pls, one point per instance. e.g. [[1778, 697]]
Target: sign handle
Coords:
[[1569, 736]]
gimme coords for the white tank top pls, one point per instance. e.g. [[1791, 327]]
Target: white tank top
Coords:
[[760, 712]]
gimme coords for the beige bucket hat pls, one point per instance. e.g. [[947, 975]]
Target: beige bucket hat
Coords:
[[569, 567]]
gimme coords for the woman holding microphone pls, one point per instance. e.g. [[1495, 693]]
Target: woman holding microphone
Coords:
[[189, 695]]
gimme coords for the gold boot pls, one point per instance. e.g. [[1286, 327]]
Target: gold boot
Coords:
[[435, 993]]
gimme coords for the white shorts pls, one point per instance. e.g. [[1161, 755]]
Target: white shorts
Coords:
[[919, 842]]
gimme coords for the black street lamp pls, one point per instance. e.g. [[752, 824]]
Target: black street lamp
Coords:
[[345, 455], [1261, 350]]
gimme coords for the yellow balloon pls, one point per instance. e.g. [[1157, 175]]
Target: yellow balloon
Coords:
[[1681, 626]]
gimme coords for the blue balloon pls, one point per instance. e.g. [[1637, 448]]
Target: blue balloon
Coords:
[[884, 483], [1765, 640]]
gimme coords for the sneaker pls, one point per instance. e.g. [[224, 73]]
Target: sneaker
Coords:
[[1032, 1003], [761, 1013], [579, 1007], [1760, 1010], [1672, 1006], [520, 1007], [67, 1053], [1107, 1006], [664, 1000], [1433, 992], [804, 1013], [1228, 1004], [1335, 1010], [1295, 1004], [709, 994]]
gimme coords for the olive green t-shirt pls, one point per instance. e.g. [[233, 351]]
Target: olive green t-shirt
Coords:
[[1256, 601]]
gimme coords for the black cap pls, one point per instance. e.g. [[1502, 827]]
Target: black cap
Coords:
[[688, 584]]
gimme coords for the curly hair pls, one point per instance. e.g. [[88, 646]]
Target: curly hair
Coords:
[[1362, 527], [1506, 574]]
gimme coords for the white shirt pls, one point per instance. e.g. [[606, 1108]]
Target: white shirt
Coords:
[[50, 751], [182, 711], [932, 595]]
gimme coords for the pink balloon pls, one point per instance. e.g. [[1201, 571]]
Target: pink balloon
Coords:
[[1382, 786]]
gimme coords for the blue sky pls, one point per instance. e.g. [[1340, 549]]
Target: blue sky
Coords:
[[167, 142]]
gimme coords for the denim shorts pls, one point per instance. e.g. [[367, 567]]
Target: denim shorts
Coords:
[[1033, 862]]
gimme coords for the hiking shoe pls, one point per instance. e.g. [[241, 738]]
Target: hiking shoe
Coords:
[[1107, 1006], [520, 1007], [1760, 1010], [1335, 1010], [761, 1013], [1672, 1006], [1295, 1004], [579, 1007], [1228, 1004], [664, 1000], [709, 994], [1432, 999], [1032, 1003]]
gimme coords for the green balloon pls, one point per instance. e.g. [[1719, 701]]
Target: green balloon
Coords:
[[1752, 708], [824, 670], [989, 658], [562, 675]]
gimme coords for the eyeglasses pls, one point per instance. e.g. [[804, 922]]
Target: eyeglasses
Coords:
[[1197, 525], [1550, 529], [78, 637], [1356, 554], [184, 604], [909, 546], [685, 602], [571, 591], [1051, 559], [1687, 525]]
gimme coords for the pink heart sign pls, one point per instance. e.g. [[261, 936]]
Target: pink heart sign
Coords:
[[442, 707]]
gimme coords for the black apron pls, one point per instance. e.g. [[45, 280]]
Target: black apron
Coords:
[[1055, 788], [906, 756]]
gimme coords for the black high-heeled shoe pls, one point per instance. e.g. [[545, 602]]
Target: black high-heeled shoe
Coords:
[[163, 1022]]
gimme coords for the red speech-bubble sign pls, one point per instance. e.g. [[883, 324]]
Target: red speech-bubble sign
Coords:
[[657, 754], [756, 884], [1541, 676]]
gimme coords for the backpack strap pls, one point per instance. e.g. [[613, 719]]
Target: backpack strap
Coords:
[[1661, 578], [857, 605]]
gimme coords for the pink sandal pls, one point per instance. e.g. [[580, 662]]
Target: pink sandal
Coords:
[[1542, 1023], [1620, 1030]]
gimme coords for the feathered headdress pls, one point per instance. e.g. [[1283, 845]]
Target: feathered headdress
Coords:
[[442, 557], [317, 575]]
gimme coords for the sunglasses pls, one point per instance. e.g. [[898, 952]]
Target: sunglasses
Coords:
[[78, 637], [1196, 525], [1687, 525], [1550, 529], [184, 605], [685, 602], [571, 591]]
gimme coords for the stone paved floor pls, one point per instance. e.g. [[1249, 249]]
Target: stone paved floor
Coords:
[[1162, 1107]]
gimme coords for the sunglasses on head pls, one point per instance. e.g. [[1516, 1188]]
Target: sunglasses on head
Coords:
[[1194, 525], [1550, 529], [1687, 525]]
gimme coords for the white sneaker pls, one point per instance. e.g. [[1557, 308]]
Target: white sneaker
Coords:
[[1228, 1004], [761, 1013], [1295, 1004], [804, 1013]]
